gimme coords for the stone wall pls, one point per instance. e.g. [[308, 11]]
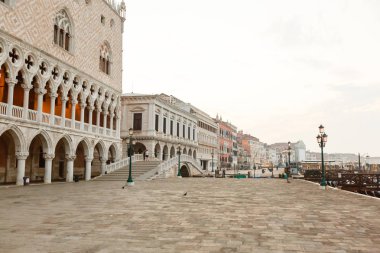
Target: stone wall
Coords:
[[32, 22]]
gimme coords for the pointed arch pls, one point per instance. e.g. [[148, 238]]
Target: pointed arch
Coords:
[[67, 142], [45, 140], [18, 137], [63, 30]]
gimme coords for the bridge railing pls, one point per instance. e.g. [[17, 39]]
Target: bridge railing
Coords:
[[123, 162], [195, 162]]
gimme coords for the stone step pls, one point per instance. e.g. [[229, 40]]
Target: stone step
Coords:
[[138, 168]]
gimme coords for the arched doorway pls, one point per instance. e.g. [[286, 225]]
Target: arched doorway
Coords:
[[172, 152], [157, 151], [184, 151], [8, 171], [190, 153], [35, 163], [185, 172], [60, 161], [81, 152], [139, 148], [195, 154], [165, 153], [111, 154], [96, 168]]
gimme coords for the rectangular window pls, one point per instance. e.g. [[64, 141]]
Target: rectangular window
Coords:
[[164, 126], [177, 129], [193, 134], [171, 127], [188, 133], [183, 131], [137, 121], [156, 123]]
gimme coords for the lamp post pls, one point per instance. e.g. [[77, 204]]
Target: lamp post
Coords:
[[179, 161], [212, 160], [322, 139], [289, 148], [254, 170], [130, 142]]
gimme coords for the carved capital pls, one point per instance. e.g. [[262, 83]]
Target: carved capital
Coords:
[[11, 81], [91, 108], [40, 91], [53, 94], [103, 160], [89, 159], [70, 157], [49, 156], [22, 155], [64, 99], [82, 105], [26, 86], [74, 101]]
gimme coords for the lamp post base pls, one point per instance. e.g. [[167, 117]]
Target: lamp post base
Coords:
[[322, 187], [130, 183], [179, 176]]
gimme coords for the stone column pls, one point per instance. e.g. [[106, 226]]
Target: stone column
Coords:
[[88, 168], [90, 109], [117, 126], [73, 104], [70, 167], [41, 92], [105, 113], [103, 160], [21, 157], [63, 112], [98, 110], [26, 88], [82, 106], [11, 87], [48, 165], [53, 97], [111, 121]]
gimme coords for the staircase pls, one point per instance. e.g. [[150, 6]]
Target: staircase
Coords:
[[138, 168]]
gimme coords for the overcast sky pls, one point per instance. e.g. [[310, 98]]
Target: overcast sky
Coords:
[[276, 69]]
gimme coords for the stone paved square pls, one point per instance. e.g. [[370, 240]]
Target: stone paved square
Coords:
[[216, 215]]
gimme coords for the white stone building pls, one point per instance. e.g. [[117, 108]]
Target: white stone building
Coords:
[[60, 87], [161, 124], [207, 139]]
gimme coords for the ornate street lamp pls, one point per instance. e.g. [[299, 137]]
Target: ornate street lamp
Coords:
[[212, 160], [322, 139], [130, 142], [179, 160]]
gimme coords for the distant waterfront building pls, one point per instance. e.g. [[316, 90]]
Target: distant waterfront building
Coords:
[[162, 125], [208, 152], [227, 139], [60, 87], [297, 152]]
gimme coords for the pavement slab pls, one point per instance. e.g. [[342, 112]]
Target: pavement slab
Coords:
[[216, 215]]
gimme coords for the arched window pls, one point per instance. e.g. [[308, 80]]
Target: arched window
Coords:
[[105, 59], [63, 30]]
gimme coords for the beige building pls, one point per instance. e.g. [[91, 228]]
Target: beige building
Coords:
[[60, 87], [162, 125], [208, 146]]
